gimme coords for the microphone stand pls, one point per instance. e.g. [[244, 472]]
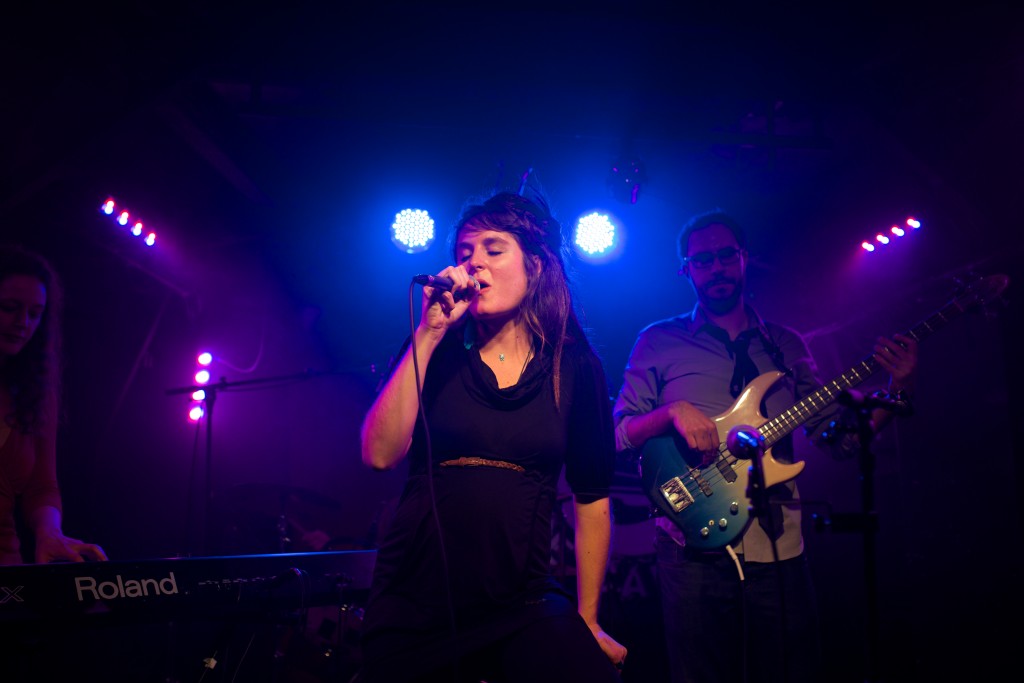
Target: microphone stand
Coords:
[[750, 443], [869, 527], [862, 407], [207, 543], [753, 446]]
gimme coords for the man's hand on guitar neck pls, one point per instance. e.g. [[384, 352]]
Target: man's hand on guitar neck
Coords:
[[898, 355]]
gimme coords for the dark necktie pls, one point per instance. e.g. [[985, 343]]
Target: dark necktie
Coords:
[[739, 349]]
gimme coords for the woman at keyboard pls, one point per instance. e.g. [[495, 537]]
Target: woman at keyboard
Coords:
[[30, 300]]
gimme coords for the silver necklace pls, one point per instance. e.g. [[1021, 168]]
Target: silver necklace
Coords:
[[529, 354]]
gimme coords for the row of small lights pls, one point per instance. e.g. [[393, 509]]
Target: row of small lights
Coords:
[[201, 378], [123, 217], [882, 239]]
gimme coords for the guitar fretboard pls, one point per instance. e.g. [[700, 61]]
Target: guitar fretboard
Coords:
[[778, 427]]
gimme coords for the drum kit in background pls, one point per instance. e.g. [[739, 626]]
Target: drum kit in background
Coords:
[[321, 642], [275, 518]]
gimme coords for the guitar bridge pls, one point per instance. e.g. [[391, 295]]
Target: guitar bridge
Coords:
[[675, 494]]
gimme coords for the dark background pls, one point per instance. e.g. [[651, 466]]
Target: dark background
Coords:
[[271, 146]]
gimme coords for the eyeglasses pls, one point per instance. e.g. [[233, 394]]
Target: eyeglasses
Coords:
[[703, 259]]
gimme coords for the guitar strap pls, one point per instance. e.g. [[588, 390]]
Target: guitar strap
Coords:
[[772, 349]]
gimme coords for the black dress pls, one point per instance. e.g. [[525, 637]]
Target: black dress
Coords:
[[495, 524]]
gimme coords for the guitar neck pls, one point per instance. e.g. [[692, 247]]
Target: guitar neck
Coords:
[[780, 426], [812, 404]]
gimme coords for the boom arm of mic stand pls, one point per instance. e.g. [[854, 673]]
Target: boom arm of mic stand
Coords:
[[210, 397], [223, 384]]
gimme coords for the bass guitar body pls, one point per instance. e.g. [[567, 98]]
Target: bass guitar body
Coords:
[[711, 503]]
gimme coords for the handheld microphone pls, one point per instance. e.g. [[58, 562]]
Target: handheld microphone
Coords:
[[446, 284]]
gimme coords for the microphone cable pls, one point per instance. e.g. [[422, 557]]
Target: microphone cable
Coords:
[[430, 484]]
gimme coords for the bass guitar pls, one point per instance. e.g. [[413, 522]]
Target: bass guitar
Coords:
[[711, 503]]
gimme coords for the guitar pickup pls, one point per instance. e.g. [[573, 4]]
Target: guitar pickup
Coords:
[[702, 483], [728, 473], [675, 494]]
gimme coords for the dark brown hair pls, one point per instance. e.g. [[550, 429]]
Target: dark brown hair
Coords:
[[703, 220], [32, 377]]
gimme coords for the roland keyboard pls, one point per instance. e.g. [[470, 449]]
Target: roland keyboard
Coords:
[[232, 586]]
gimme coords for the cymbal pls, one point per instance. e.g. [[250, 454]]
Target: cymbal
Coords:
[[270, 498]]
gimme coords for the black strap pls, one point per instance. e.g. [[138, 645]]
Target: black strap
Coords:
[[772, 349]]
